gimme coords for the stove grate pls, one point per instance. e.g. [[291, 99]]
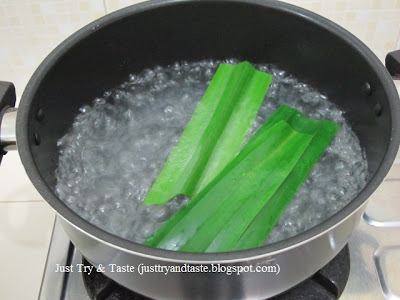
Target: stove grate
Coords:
[[328, 283]]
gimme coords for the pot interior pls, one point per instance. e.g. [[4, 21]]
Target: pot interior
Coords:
[[103, 55]]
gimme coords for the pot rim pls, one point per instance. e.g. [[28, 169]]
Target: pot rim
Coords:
[[176, 256]]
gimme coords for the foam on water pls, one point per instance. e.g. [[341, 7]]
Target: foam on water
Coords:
[[117, 146]]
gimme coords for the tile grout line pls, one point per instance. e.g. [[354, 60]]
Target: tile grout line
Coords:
[[397, 46], [23, 201], [105, 7], [391, 179]]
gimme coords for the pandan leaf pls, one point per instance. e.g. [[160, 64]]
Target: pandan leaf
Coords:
[[215, 133], [216, 218], [323, 132]]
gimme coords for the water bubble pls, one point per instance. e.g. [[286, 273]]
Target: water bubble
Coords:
[[99, 101], [116, 148], [168, 109], [85, 109]]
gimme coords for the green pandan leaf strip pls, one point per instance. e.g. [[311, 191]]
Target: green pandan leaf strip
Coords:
[[242, 118], [215, 133], [161, 232], [323, 132], [256, 173]]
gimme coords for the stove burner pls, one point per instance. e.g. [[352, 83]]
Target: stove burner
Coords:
[[328, 283], [100, 287]]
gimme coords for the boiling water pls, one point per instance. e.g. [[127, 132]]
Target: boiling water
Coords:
[[117, 147]]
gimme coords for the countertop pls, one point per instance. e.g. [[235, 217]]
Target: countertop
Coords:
[[26, 220]]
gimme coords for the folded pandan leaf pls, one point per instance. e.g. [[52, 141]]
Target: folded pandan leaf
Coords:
[[216, 218], [323, 132], [215, 133]]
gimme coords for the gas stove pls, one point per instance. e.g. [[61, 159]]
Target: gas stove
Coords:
[[367, 268]]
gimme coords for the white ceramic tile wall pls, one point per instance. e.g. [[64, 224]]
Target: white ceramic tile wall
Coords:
[[30, 29], [15, 184], [398, 42], [25, 230]]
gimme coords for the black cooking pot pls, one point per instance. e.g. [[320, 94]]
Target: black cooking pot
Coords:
[[102, 54]]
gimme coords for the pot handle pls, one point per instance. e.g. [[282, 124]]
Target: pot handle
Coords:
[[7, 117], [392, 62]]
